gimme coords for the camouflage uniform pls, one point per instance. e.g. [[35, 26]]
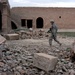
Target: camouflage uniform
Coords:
[[53, 31]]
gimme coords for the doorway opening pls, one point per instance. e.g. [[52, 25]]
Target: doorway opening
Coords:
[[39, 23], [29, 23], [23, 22]]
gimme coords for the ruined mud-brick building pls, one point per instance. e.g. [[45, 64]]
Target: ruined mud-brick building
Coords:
[[34, 17]]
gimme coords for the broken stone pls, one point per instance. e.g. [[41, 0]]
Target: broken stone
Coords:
[[2, 39], [64, 69], [42, 73], [72, 72], [4, 73], [18, 68], [1, 64], [66, 73], [9, 73], [44, 61], [60, 71], [22, 72], [4, 70], [16, 73], [8, 57]]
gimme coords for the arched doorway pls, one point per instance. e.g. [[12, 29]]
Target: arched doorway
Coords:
[[0, 21], [39, 23], [13, 25]]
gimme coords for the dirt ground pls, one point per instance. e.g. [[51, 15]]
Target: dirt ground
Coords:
[[43, 42]]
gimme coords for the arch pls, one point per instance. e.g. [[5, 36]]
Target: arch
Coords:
[[0, 21], [39, 23], [13, 25]]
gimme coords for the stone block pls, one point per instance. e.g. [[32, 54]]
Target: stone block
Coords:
[[12, 36], [2, 39], [44, 61]]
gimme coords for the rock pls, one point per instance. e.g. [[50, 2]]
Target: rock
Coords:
[[64, 69], [66, 73], [8, 57], [30, 72], [23, 72], [34, 70], [19, 68], [1, 64], [4, 70], [3, 50], [11, 63], [16, 73], [42, 73], [60, 71], [2, 39], [4, 73], [9, 73], [44, 61], [71, 72]]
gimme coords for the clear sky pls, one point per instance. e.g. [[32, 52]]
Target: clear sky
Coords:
[[42, 3]]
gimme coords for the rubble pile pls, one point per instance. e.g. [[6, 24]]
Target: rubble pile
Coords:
[[36, 34], [16, 58]]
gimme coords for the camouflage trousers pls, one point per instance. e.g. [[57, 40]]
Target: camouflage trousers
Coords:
[[53, 37]]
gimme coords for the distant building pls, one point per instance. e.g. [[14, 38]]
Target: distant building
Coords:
[[34, 17]]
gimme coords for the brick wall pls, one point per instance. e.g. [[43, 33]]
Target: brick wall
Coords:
[[64, 17]]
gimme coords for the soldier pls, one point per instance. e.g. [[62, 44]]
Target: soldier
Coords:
[[53, 31]]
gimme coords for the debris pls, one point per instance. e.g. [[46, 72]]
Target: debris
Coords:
[[2, 39]]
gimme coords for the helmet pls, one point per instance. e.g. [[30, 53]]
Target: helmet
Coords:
[[52, 21]]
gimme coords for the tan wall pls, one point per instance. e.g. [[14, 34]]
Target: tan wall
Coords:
[[67, 20]]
